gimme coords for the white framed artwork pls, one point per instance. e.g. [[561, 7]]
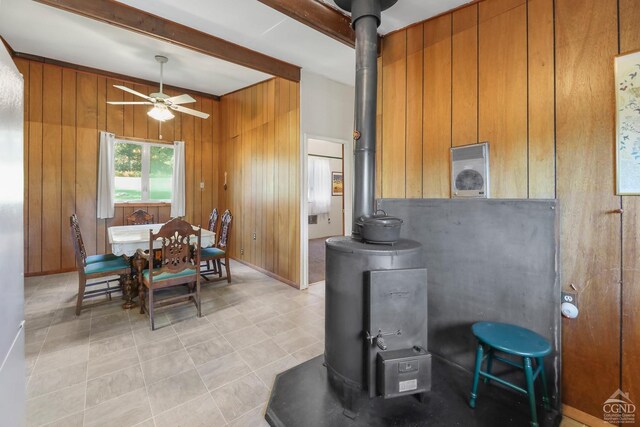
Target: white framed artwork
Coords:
[[627, 80]]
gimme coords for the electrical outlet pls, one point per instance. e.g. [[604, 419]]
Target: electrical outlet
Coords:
[[241, 251], [570, 297], [254, 235]]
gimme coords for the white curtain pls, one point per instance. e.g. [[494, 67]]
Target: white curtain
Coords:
[[319, 186], [106, 176], [177, 185]]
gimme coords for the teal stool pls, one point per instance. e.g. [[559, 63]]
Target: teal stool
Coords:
[[514, 340]]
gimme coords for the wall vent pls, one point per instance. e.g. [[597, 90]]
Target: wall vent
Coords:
[[470, 171]]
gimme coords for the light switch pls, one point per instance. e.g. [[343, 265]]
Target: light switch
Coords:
[[202, 185]]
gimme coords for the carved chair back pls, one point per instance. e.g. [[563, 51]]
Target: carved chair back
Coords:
[[78, 243], [176, 253], [225, 231], [139, 217], [213, 220]]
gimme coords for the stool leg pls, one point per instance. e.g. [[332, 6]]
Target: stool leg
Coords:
[[476, 376], [543, 377], [489, 364], [528, 373]]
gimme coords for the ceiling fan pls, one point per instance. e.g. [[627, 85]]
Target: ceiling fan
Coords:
[[162, 103]]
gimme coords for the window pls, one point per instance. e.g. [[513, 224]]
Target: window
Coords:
[[143, 172]]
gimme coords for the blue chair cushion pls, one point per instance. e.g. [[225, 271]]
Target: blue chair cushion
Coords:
[[106, 266], [511, 339], [100, 258], [210, 252], [166, 276]]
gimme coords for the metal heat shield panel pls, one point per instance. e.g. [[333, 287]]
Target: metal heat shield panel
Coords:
[[394, 300]]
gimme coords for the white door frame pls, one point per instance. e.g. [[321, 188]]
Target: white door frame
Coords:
[[304, 198]]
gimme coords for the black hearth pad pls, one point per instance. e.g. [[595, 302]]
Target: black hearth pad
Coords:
[[301, 397]]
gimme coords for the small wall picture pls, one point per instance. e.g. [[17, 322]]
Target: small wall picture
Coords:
[[627, 76], [337, 183]]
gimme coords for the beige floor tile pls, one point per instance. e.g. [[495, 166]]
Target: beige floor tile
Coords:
[[253, 418], [191, 324], [309, 352], [141, 321], [61, 342], [276, 326], [111, 345], [78, 325], [115, 384], [239, 397], [268, 373], [146, 423], [145, 335], [60, 359], [261, 354], [223, 313], [112, 362], [294, 340], [166, 366], [56, 379], [199, 412], [199, 335], [246, 337], [209, 350], [127, 410], [54, 406], [231, 324], [223, 370], [154, 349], [173, 391], [75, 420]]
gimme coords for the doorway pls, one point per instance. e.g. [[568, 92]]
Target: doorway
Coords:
[[326, 201]]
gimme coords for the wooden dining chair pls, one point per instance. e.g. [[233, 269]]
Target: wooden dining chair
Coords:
[[179, 265], [212, 265], [94, 267], [140, 217], [220, 251]]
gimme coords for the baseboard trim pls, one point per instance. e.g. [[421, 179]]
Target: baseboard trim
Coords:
[[46, 273], [583, 417], [268, 273]]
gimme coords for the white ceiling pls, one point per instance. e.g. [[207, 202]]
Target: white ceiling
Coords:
[[41, 30], [407, 12]]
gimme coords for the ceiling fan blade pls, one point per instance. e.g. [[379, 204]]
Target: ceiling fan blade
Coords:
[[130, 103], [126, 89], [189, 111], [180, 99]]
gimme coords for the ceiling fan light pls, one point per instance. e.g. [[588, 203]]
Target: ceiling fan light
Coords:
[[160, 113]]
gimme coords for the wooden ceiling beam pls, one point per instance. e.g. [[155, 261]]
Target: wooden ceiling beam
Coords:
[[318, 16], [129, 18]]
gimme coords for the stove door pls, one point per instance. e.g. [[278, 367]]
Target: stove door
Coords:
[[395, 314]]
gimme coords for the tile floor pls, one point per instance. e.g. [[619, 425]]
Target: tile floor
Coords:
[[106, 367]]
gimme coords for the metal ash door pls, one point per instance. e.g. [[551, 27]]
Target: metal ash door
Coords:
[[395, 326]]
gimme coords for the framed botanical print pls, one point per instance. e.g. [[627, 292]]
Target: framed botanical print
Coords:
[[627, 80], [337, 184]]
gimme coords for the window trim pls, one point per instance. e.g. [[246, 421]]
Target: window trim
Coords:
[[145, 166]]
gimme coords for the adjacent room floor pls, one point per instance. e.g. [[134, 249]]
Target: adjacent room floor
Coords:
[[107, 368], [316, 259]]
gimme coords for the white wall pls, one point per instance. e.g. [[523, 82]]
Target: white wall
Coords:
[[328, 224], [326, 112]]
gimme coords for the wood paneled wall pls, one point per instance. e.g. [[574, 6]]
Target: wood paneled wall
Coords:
[[535, 79], [260, 154], [64, 111]]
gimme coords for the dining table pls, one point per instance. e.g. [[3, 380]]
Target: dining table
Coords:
[[131, 241]]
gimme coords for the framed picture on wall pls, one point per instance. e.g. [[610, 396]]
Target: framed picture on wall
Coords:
[[627, 80], [337, 184]]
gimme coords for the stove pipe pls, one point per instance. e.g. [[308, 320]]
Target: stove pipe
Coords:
[[365, 18]]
